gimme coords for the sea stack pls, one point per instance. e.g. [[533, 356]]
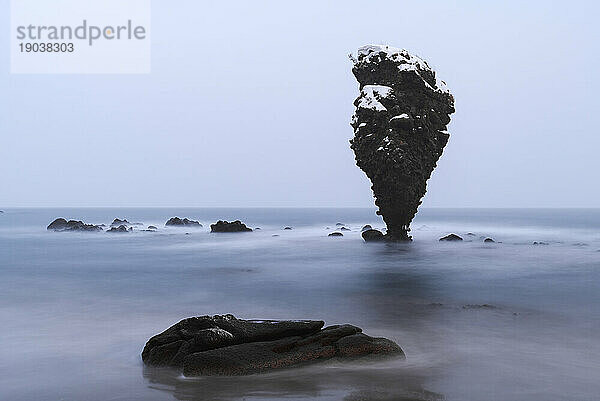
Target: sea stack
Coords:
[[399, 130]]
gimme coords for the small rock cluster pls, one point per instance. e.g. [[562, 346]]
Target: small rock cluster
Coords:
[[176, 221], [223, 226], [61, 224], [120, 229]]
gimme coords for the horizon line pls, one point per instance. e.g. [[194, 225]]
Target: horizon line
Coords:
[[293, 207]]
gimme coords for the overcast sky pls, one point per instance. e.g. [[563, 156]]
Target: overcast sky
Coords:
[[249, 103]]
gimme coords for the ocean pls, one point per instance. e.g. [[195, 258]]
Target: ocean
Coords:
[[478, 321]]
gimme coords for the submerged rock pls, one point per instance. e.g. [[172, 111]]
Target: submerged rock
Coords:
[[287, 228], [345, 229], [119, 222], [399, 130], [152, 228], [222, 226], [176, 221], [225, 345], [366, 227], [61, 224], [373, 235], [489, 240], [336, 234], [124, 222], [121, 229], [479, 306], [451, 237]]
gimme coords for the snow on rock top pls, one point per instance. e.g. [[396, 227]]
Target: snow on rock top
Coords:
[[402, 116], [370, 96], [405, 60]]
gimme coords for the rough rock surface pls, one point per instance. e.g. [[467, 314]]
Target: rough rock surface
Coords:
[[372, 235], [451, 237], [224, 345], [176, 221], [228, 227], [366, 227], [399, 130], [61, 224]]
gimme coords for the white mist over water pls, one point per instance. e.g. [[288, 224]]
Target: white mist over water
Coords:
[[504, 321]]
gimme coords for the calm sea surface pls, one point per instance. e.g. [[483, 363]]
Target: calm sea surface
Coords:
[[505, 321]]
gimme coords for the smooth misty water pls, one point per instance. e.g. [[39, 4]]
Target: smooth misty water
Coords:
[[77, 308]]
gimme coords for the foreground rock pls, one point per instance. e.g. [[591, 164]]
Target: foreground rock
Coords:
[[372, 235], [61, 224], [399, 130], [224, 345], [176, 221], [451, 237], [366, 227], [222, 226]]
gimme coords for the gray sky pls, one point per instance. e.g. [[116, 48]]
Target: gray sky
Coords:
[[249, 103]]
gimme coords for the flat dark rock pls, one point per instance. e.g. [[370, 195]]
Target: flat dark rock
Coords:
[[61, 224], [225, 345], [372, 235], [336, 234], [223, 226], [451, 237], [176, 221]]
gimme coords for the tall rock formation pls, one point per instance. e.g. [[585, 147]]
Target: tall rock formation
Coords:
[[399, 130]]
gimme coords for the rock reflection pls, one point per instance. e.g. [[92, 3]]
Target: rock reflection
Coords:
[[392, 380]]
